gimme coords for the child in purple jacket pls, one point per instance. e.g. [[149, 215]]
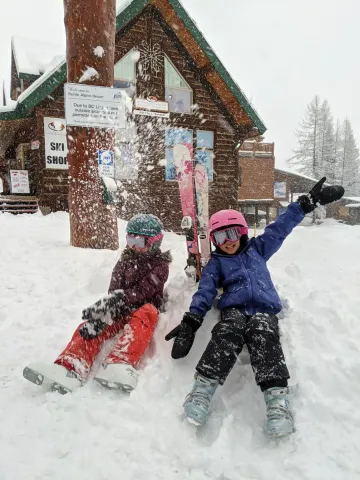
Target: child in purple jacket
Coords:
[[249, 306], [135, 295]]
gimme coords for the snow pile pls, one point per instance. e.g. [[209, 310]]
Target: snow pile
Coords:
[[95, 434]]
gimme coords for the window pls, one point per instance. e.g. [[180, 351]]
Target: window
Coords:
[[177, 91], [125, 72], [204, 152]]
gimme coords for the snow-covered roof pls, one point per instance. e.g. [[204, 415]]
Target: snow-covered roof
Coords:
[[32, 57], [291, 172], [121, 5], [52, 67], [353, 199], [353, 205]]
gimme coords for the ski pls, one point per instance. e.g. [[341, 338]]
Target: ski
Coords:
[[202, 197], [184, 174]]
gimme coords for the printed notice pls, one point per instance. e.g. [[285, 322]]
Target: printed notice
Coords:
[[98, 107]]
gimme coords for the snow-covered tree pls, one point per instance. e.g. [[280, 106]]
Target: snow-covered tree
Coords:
[[335, 176], [349, 174], [327, 159], [314, 154]]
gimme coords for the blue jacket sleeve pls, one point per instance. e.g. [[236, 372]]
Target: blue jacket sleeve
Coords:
[[208, 286], [271, 240]]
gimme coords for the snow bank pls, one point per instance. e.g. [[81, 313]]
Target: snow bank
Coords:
[[95, 434]]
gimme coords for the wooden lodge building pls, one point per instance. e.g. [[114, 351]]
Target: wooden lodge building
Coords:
[[160, 57]]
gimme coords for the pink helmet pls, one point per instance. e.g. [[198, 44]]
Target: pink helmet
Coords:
[[225, 218]]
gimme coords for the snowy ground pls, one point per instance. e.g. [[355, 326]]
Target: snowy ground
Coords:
[[95, 434]]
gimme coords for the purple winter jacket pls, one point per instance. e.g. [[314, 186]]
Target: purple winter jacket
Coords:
[[142, 276]]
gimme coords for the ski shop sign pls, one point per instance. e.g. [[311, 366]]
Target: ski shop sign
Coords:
[[55, 143], [19, 181], [97, 107]]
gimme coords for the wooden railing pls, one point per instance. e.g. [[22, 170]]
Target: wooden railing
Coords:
[[256, 148], [17, 204]]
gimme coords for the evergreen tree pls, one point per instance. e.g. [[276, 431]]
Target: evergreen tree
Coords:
[[327, 160], [314, 155], [349, 161], [335, 176]]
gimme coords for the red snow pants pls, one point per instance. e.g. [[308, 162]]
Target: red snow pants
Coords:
[[80, 354]]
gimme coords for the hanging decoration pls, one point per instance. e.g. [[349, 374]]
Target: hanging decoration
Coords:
[[151, 57]]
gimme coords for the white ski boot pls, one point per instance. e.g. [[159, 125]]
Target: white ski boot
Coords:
[[279, 416], [52, 376], [197, 403], [118, 376]]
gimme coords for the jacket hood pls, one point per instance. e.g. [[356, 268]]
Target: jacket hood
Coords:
[[129, 253]]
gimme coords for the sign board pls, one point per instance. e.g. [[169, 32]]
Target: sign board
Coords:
[[35, 144], [148, 113], [97, 107], [152, 103], [55, 143], [279, 189], [19, 181], [106, 163]]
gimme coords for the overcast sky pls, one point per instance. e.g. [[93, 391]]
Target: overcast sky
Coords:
[[280, 52]]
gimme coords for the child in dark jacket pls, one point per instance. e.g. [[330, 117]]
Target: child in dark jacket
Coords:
[[135, 295], [249, 306]]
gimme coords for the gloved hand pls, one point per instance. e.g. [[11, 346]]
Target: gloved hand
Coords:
[[104, 312], [320, 195], [92, 329], [184, 334]]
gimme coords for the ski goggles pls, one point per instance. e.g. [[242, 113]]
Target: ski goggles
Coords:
[[231, 234], [141, 241]]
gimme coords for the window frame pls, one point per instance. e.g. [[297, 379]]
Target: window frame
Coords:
[[181, 89]]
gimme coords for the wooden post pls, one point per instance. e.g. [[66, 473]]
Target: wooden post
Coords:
[[89, 25]]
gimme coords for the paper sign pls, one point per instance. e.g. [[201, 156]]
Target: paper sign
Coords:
[[98, 107]]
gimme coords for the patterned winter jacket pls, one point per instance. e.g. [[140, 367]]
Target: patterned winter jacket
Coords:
[[142, 276], [244, 276]]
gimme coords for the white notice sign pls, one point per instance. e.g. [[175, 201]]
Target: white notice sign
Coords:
[[98, 107], [55, 143], [19, 181]]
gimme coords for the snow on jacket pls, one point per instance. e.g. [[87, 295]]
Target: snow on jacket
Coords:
[[142, 276], [244, 276]]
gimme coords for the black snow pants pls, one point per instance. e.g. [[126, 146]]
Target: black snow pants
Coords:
[[260, 332]]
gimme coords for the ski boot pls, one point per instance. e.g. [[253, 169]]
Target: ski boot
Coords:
[[197, 403], [52, 376], [118, 376], [279, 416]]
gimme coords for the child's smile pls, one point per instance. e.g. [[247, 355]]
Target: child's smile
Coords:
[[230, 247]]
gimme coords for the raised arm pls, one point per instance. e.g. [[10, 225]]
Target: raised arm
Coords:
[[271, 240]]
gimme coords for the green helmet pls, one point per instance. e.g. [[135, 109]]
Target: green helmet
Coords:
[[144, 224]]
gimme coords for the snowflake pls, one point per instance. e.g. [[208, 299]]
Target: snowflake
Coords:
[[151, 57]]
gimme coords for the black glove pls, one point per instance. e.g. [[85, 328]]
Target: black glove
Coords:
[[184, 334], [320, 195], [104, 312], [92, 329]]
